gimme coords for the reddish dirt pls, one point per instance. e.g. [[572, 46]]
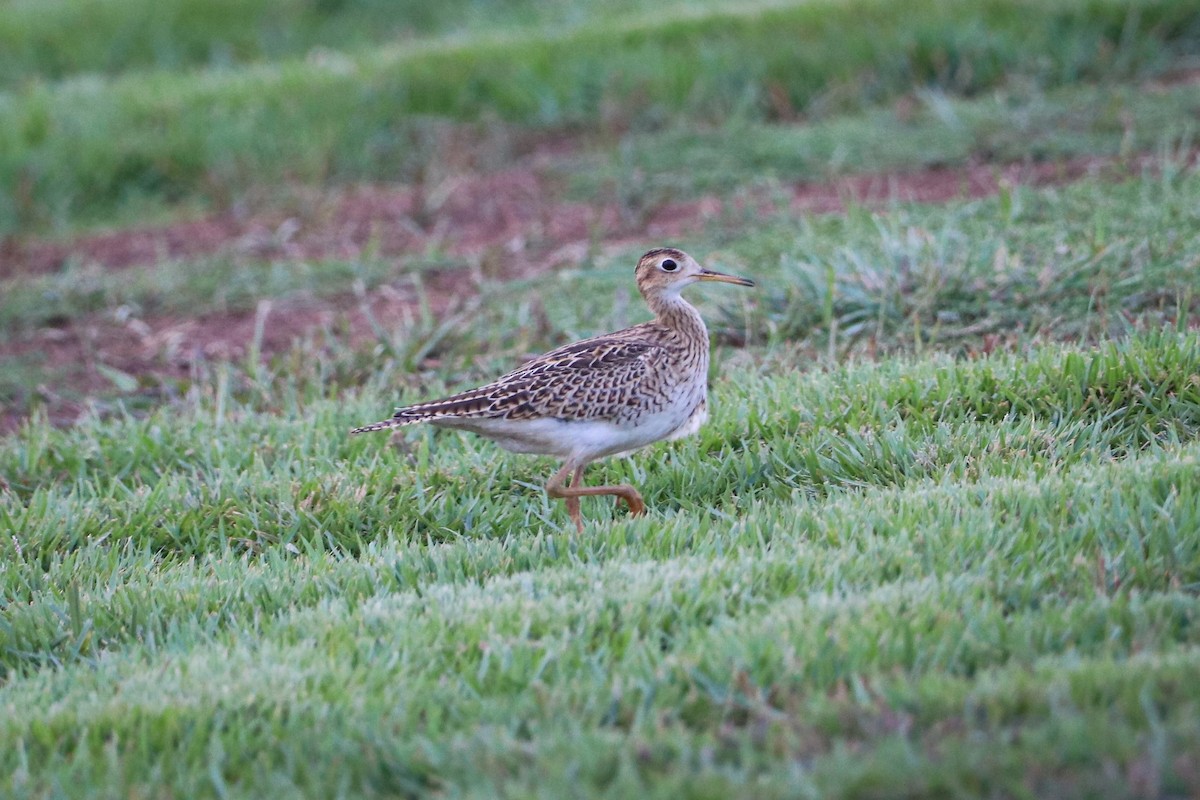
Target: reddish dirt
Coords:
[[508, 225], [471, 216], [465, 217]]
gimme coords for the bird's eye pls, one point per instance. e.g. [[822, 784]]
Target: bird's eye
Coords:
[[669, 265]]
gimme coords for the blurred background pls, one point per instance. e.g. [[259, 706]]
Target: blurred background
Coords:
[[189, 181]]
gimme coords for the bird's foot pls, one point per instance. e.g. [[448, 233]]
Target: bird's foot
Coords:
[[637, 506]]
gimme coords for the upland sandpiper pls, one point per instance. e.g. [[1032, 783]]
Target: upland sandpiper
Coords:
[[598, 397]]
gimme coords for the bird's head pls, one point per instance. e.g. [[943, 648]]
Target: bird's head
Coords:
[[664, 271]]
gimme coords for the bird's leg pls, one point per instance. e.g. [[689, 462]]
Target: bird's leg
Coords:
[[573, 502], [556, 488]]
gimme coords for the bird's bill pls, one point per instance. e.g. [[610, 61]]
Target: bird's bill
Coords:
[[709, 275]]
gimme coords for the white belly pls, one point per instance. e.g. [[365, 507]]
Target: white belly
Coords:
[[585, 440]]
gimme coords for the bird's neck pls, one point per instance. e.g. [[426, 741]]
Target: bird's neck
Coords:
[[672, 311]]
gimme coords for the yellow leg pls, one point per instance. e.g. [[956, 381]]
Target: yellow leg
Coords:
[[573, 501], [556, 487]]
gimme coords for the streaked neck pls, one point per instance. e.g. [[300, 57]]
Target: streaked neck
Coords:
[[672, 311]]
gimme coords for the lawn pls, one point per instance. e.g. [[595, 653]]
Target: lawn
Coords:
[[77, 150], [940, 537]]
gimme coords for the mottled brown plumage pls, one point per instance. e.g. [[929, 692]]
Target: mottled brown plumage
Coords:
[[597, 397]]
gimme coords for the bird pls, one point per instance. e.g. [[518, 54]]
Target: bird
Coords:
[[599, 397]]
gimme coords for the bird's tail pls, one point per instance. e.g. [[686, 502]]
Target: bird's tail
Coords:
[[394, 422], [474, 403]]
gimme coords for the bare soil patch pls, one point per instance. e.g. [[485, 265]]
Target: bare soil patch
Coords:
[[509, 225], [469, 215]]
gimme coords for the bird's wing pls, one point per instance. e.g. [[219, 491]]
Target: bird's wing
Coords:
[[591, 379]]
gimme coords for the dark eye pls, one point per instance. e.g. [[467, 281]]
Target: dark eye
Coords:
[[669, 265]]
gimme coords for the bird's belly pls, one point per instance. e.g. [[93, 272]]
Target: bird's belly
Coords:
[[586, 439], [541, 436], [675, 421], [693, 423]]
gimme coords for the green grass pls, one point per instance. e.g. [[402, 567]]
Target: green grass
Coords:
[[939, 537], [905, 561], [1073, 263], [923, 574], [55, 39], [78, 150], [1082, 262], [650, 170], [641, 170]]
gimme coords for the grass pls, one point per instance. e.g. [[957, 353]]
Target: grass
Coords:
[[938, 538], [1016, 125], [1006, 264], [653, 169], [966, 547], [925, 573], [56, 39], [83, 149], [1080, 263]]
